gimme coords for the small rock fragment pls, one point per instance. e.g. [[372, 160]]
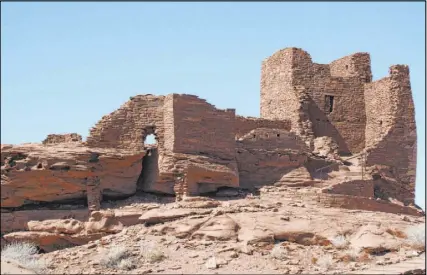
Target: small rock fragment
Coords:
[[211, 263]]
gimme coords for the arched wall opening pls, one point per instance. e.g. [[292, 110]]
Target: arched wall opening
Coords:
[[149, 136], [150, 140]]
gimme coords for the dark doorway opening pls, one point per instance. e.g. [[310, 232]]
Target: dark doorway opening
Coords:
[[150, 170]]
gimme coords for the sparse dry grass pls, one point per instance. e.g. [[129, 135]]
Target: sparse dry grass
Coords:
[[416, 237], [152, 253], [339, 241], [278, 252], [126, 264], [155, 255], [24, 254], [326, 261], [117, 256]]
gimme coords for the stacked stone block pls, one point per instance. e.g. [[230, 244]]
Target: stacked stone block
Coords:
[[64, 138], [244, 125]]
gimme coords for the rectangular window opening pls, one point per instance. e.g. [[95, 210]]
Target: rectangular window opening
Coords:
[[329, 103]]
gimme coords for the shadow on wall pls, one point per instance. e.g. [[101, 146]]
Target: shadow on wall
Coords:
[[319, 169], [150, 166], [404, 187], [323, 127], [150, 170]]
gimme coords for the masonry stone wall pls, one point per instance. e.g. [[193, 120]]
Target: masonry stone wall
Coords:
[[62, 138], [265, 155], [340, 100], [272, 139], [355, 65], [124, 128], [290, 71], [169, 123], [244, 125], [201, 129], [279, 100], [390, 129], [300, 102]]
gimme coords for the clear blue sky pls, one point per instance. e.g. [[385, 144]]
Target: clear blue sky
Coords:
[[65, 65]]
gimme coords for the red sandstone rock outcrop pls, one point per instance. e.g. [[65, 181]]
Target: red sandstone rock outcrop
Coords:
[[50, 234], [33, 173]]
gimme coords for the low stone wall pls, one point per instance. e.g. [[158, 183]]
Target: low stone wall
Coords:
[[65, 138]]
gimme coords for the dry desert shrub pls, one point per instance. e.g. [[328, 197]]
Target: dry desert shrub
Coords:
[[278, 252], [416, 236], [152, 253], [155, 255], [24, 254], [117, 256], [126, 264], [339, 241], [326, 261]]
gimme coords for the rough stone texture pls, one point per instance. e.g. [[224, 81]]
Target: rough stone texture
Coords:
[[309, 114], [297, 177], [18, 220], [53, 138], [126, 127], [244, 125], [391, 136], [33, 173], [358, 188], [201, 129], [51, 234], [289, 73], [291, 159], [264, 156], [377, 115], [325, 147], [353, 202]]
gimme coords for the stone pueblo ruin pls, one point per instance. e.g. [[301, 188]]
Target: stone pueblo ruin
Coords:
[[322, 182]]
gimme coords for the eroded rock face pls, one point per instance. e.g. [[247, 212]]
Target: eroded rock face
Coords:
[[372, 238], [69, 226], [218, 228], [32, 173], [18, 220], [297, 177], [54, 234], [158, 216]]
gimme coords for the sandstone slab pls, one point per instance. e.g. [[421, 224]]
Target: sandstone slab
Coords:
[[33, 173]]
